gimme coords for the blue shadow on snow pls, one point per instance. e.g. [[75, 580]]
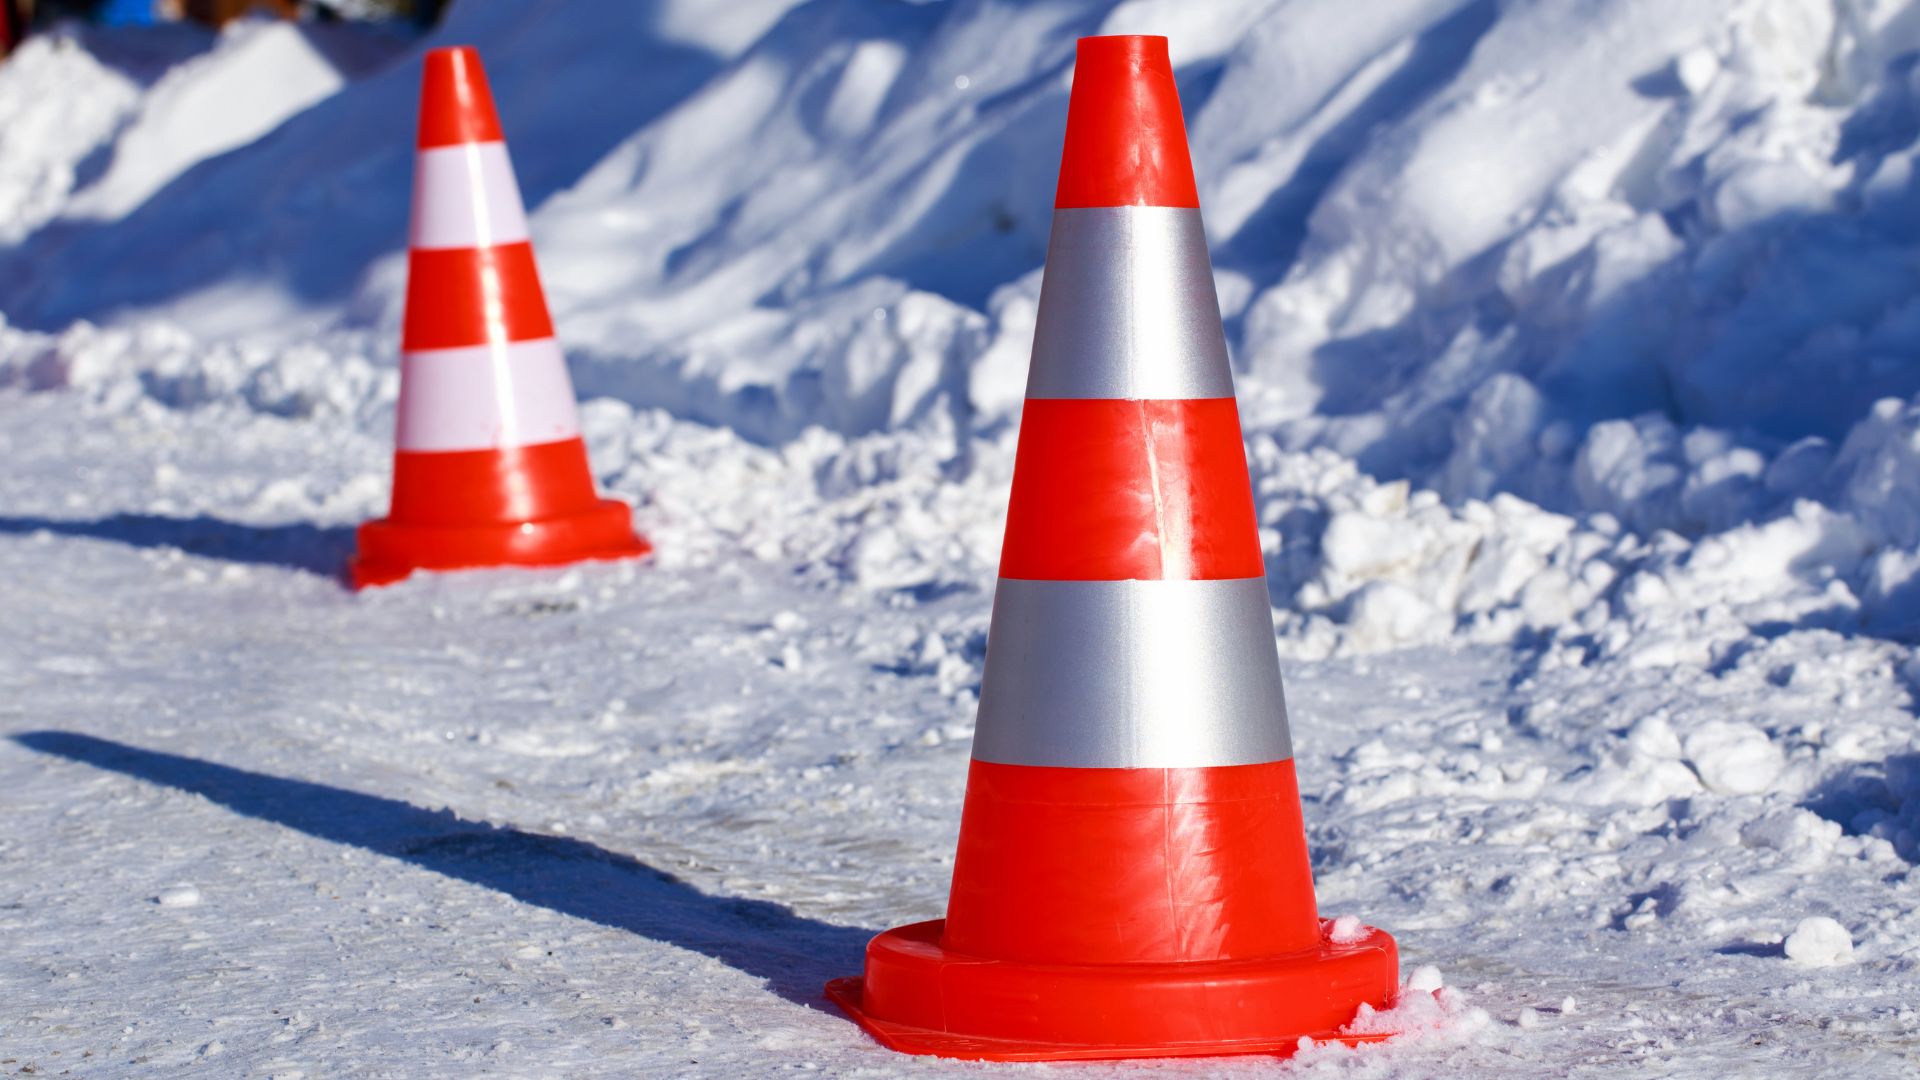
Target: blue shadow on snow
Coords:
[[795, 955], [316, 549]]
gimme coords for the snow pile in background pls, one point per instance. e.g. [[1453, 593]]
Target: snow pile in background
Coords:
[[1648, 265], [1586, 329], [1453, 239], [57, 105]]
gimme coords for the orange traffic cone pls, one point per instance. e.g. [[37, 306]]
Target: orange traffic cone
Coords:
[[1132, 875], [489, 467]]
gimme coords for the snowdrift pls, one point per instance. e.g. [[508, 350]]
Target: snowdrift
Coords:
[[1652, 261]]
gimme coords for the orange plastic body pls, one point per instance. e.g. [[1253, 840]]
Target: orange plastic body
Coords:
[[1112, 490], [525, 506], [1148, 910], [920, 997], [1126, 143], [1122, 913], [1131, 866], [456, 104], [474, 296]]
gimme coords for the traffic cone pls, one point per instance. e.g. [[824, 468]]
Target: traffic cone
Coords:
[[1132, 876], [489, 468]]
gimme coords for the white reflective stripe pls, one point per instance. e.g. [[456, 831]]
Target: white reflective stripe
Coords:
[[1132, 675], [465, 196], [486, 397], [1127, 308]]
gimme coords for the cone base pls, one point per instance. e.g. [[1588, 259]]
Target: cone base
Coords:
[[917, 997], [389, 551]]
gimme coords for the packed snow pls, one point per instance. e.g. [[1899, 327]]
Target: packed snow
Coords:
[[1575, 347]]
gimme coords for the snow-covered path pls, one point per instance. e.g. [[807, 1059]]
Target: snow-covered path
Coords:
[[624, 820]]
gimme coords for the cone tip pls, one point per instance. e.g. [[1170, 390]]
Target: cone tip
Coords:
[[1126, 143], [456, 105], [1147, 45]]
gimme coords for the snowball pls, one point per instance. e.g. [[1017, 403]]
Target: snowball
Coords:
[[1425, 978], [1347, 929], [1733, 758], [1654, 737], [1383, 613], [1696, 68], [178, 896], [1819, 942]]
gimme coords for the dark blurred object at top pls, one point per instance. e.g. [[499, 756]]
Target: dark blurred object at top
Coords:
[[14, 17], [18, 16]]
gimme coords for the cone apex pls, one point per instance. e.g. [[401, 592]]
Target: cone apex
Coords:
[[1126, 144], [456, 105]]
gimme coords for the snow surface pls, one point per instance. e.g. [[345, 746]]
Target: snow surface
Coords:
[[1575, 345]]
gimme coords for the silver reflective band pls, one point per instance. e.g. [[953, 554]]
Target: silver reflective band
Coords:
[[1132, 675], [1127, 308]]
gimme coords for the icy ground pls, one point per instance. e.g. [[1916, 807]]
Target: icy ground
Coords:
[[1577, 366], [625, 820]]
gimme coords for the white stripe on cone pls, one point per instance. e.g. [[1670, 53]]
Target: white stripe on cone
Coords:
[[1132, 675], [486, 397], [465, 196], [1127, 308]]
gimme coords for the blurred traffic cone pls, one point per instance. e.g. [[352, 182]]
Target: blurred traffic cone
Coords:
[[489, 468], [1132, 875]]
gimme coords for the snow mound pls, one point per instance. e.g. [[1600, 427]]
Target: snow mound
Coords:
[[1627, 259]]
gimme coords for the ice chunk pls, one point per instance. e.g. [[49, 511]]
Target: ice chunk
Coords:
[[178, 896]]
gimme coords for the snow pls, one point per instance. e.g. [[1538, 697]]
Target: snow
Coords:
[[1819, 942], [1575, 358], [178, 896]]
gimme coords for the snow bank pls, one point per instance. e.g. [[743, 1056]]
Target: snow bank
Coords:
[[1588, 276], [1491, 396], [1533, 250]]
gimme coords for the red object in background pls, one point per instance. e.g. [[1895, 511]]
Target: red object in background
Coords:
[[1132, 877], [13, 25], [489, 467]]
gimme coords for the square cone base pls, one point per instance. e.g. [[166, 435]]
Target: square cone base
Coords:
[[391, 550], [919, 998]]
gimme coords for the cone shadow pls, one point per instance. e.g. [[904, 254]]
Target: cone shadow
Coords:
[[793, 954], [315, 549]]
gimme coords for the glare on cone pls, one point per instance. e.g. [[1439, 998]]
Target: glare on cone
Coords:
[[489, 467], [1132, 876]]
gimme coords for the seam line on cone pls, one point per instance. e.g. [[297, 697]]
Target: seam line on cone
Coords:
[[1112, 490]]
